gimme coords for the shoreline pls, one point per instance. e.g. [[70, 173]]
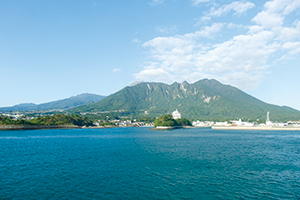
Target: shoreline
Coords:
[[171, 127], [36, 127], [40, 127], [273, 128]]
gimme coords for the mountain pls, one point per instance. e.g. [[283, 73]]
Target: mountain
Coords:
[[203, 100], [74, 101]]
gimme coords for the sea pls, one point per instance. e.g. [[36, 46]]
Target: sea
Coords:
[[139, 163]]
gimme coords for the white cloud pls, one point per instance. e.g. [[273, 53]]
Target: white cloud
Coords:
[[293, 50], [155, 74], [117, 70], [272, 18], [203, 19], [156, 2], [166, 29], [291, 7], [242, 61], [197, 2], [245, 55], [238, 6], [268, 20], [209, 31], [290, 33], [284, 6]]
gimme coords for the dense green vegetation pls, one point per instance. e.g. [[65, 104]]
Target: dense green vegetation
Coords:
[[184, 122], [203, 100], [167, 120], [59, 119], [4, 120], [145, 119]]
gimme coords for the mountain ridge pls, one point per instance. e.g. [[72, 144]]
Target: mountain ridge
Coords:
[[205, 99], [73, 101]]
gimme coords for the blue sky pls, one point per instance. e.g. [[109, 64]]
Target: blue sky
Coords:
[[51, 50]]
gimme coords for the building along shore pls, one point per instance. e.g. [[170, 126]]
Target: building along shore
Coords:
[[273, 128]]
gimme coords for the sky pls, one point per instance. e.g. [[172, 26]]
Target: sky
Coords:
[[51, 50]]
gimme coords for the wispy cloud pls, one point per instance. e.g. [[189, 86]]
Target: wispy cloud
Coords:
[[238, 7], [166, 30], [117, 70], [156, 2], [197, 2], [135, 40], [242, 61]]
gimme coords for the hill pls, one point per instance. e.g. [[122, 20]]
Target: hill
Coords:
[[74, 101], [204, 100]]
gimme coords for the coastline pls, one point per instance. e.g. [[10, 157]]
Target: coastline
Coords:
[[273, 128], [98, 127], [171, 127], [36, 127], [40, 127]]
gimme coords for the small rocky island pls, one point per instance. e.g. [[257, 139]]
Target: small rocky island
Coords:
[[174, 121]]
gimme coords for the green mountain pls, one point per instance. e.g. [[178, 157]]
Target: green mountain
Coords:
[[74, 101], [203, 100]]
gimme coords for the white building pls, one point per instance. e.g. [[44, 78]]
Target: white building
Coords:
[[202, 123], [221, 124], [176, 114], [241, 123]]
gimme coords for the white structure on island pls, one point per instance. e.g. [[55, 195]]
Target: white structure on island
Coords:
[[176, 114]]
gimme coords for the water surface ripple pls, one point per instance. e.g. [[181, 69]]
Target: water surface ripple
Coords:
[[137, 163]]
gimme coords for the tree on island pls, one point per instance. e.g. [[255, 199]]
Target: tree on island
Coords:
[[184, 122], [167, 120]]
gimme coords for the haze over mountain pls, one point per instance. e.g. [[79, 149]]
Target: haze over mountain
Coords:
[[204, 100], [81, 99]]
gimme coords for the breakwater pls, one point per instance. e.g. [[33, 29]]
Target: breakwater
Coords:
[[34, 127]]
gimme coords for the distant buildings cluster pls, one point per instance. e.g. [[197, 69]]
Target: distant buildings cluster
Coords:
[[125, 123], [240, 123], [16, 116], [176, 115]]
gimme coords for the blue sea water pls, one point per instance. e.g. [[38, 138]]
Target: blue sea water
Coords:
[[137, 163]]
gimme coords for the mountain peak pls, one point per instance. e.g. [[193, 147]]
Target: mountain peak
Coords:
[[136, 83], [185, 83], [206, 99]]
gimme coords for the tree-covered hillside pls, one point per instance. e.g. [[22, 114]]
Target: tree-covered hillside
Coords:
[[204, 100]]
